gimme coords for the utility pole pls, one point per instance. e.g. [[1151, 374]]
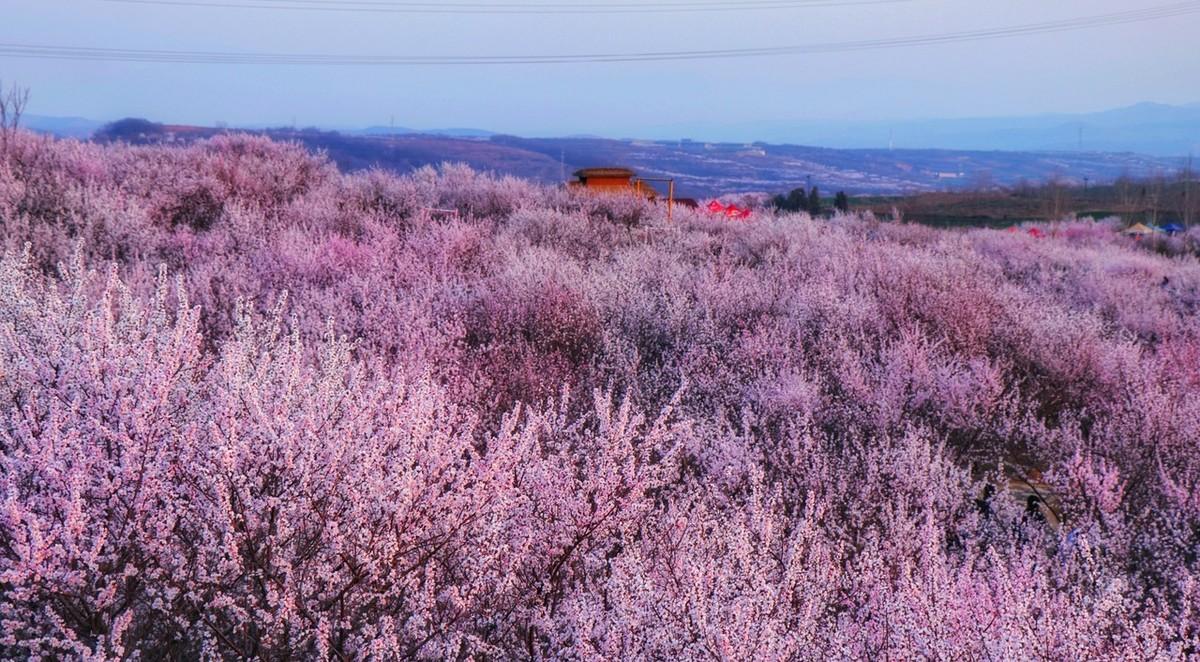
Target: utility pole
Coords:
[[671, 200]]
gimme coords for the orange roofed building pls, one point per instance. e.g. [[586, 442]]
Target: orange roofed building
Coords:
[[612, 180]]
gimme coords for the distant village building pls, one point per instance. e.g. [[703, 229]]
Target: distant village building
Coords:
[[604, 178], [613, 180], [624, 180]]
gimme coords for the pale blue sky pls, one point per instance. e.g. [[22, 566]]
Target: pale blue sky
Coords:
[[1084, 70]]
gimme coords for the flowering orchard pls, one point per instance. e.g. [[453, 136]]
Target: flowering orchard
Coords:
[[256, 408]]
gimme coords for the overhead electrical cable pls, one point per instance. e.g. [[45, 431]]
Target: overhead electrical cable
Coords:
[[375, 6], [222, 57]]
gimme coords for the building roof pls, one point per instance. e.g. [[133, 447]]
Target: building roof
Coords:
[[1139, 228], [604, 172]]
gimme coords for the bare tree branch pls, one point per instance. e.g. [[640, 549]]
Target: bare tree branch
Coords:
[[13, 101]]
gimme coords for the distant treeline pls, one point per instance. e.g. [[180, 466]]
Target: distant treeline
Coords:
[[1156, 200], [798, 200]]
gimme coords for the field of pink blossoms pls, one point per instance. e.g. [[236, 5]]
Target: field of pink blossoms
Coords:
[[254, 408]]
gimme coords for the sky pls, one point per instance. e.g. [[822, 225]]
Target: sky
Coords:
[[1075, 71]]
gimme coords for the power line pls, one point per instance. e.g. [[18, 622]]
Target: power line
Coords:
[[375, 6], [508, 4], [219, 57]]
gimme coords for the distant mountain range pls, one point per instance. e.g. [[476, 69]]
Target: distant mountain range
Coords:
[[401, 131], [713, 168], [65, 127], [1146, 128]]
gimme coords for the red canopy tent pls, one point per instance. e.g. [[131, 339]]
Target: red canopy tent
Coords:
[[730, 211], [736, 212]]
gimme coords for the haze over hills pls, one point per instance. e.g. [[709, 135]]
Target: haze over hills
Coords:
[[965, 155], [65, 127], [1147, 128], [402, 131]]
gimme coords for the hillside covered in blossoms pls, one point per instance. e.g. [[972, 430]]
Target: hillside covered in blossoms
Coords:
[[251, 407]]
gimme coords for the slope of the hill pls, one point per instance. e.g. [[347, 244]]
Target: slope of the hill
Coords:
[[701, 169], [254, 407]]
